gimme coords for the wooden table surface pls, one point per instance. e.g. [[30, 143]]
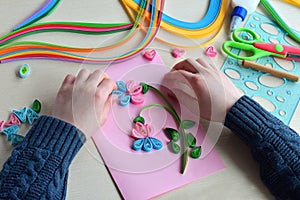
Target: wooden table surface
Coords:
[[88, 177]]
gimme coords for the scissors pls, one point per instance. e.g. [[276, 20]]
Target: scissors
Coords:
[[258, 48]]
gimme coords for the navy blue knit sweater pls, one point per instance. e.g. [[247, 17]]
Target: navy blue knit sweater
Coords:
[[38, 168], [273, 144]]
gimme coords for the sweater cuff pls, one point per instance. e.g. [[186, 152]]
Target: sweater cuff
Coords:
[[249, 120], [55, 135]]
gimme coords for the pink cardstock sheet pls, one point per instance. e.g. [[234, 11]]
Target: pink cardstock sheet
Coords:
[[143, 175]]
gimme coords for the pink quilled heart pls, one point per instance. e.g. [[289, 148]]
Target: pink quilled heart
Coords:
[[210, 52], [177, 53], [149, 55]]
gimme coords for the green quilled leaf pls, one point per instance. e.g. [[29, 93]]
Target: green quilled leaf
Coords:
[[196, 152], [145, 88], [139, 119], [187, 124], [172, 134], [36, 106], [191, 140], [175, 148]]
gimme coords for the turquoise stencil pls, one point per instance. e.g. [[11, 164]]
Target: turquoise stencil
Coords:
[[286, 96]]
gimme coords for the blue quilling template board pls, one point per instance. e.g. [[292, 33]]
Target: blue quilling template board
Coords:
[[284, 95]]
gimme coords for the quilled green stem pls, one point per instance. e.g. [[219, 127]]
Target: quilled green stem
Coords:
[[160, 106], [184, 157], [166, 100]]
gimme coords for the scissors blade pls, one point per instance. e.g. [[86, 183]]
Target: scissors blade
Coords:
[[274, 49], [293, 57], [282, 51], [292, 53]]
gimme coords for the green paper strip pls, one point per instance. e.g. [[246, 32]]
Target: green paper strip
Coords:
[[280, 21]]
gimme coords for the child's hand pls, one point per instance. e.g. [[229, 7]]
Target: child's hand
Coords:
[[85, 100], [214, 93]]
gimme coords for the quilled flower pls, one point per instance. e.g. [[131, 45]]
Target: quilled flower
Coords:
[[142, 133], [21, 114], [13, 120], [10, 128], [31, 115], [12, 135], [2, 123], [26, 113], [128, 92], [16, 139], [134, 90], [10, 131]]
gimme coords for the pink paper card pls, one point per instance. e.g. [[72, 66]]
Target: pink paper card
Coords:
[[139, 174]]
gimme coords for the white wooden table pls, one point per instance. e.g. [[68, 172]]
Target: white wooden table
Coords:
[[88, 177]]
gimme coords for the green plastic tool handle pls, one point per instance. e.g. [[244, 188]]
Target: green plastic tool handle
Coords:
[[236, 36], [279, 20], [256, 53]]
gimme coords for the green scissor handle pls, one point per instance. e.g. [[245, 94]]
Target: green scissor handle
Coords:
[[237, 36], [250, 49], [246, 45]]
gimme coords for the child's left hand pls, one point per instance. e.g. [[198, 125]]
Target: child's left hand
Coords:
[[85, 100]]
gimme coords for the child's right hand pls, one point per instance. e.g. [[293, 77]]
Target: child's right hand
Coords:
[[214, 92], [85, 100]]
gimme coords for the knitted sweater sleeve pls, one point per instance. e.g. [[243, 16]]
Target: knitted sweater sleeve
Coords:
[[273, 144], [38, 167]]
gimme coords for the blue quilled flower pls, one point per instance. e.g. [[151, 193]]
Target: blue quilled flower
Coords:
[[142, 133], [14, 121], [26, 113], [11, 134]]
